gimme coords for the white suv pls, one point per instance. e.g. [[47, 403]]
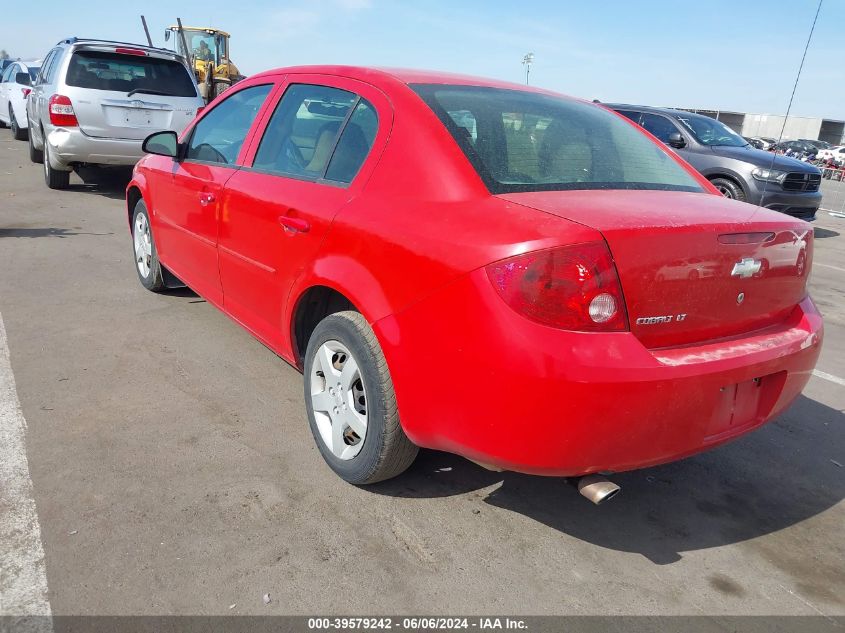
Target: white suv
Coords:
[[94, 102]]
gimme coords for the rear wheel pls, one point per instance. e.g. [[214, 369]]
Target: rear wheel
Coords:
[[35, 155], [146, 258], [18, 132], [729, 189], [54, 178], [351, 404]]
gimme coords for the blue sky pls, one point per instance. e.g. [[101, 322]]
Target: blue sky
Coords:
[[731, 55]]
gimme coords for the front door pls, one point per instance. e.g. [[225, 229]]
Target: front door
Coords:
[[310, 162], [187, 208]]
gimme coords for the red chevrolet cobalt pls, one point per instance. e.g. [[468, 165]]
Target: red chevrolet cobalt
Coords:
[[525, 279]]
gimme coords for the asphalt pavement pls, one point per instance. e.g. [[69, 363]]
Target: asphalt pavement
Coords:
[[173, 471]]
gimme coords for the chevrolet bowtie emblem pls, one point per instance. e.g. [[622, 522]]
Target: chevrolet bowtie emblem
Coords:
[[746, 267]]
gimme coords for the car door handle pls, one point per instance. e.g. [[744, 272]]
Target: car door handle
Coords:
[[294, 225], [206, 199]]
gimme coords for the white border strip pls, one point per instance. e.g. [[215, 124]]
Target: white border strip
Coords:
[[23, 579], [825, 376]]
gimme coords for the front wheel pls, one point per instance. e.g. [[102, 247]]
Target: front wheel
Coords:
[[351, 403], [35, 155], [146, 258]]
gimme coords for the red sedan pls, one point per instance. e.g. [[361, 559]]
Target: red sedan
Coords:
[[522, 278]]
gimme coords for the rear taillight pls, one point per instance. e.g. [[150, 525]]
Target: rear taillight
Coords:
[[572, 287], [61, 112], [25, 92]]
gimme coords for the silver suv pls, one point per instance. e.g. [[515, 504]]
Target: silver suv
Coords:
[[94, 102]]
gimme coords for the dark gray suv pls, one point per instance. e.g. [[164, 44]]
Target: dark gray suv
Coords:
[[726, 159]]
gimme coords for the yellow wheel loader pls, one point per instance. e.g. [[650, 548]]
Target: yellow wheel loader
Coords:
[[207, 51]]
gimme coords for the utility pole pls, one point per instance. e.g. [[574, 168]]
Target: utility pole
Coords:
[[527, 61]]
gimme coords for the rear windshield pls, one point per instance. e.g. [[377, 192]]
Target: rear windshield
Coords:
[[525, 141], [124, 73]]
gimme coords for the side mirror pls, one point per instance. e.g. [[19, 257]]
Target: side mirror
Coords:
[[162, 144], [676, 140], [23, 79]]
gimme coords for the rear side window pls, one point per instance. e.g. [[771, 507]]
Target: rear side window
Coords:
[[527, 141], [318, 132], [354, 144], [115, 72], [219, 135]]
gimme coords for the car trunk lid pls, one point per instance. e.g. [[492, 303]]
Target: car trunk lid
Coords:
[[693, 267]]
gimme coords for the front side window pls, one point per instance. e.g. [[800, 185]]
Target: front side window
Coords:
[[33, 72], [45, 67], [219, 135], [658, 125], [526, 141], [129, 74], [711, 132], [318, 132]]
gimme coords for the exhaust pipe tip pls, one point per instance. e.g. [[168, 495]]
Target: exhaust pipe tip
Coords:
[[597, 489]]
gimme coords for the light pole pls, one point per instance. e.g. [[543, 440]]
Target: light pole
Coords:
[[527, 61]]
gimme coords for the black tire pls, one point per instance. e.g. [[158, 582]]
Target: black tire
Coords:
[[729, 189], [54, 178], [386, 451], [18, 132], [35, 155], [154, 280]]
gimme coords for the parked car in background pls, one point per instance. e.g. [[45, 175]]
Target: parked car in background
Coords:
[[94, 101], [15, 86], [735, 168], [816, 143], [761, 142], [479, 267], [835, 154], [5, 63], [799, 149]]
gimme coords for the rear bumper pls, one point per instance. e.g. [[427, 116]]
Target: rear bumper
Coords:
[[70, 146], [474, 378]]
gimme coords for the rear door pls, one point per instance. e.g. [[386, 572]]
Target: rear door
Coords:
[[314, 156], [129, 93], [187, 200]]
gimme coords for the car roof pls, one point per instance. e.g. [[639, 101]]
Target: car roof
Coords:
[[668, 111], [377, 75]]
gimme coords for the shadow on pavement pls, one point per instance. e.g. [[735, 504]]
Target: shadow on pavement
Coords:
[[107, 182], [821, 233], [43, 231], [773, 478]]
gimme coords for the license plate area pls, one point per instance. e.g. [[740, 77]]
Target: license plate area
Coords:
[[743, 405], [138, 117]]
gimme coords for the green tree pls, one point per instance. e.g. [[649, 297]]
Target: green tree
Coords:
[[3, 54]]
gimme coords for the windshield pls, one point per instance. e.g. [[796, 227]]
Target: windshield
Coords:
[[525, 141], [207, 47], [709, 131], [125, 73]]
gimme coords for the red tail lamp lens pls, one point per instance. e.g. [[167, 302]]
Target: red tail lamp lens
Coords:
[[571, 288]]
